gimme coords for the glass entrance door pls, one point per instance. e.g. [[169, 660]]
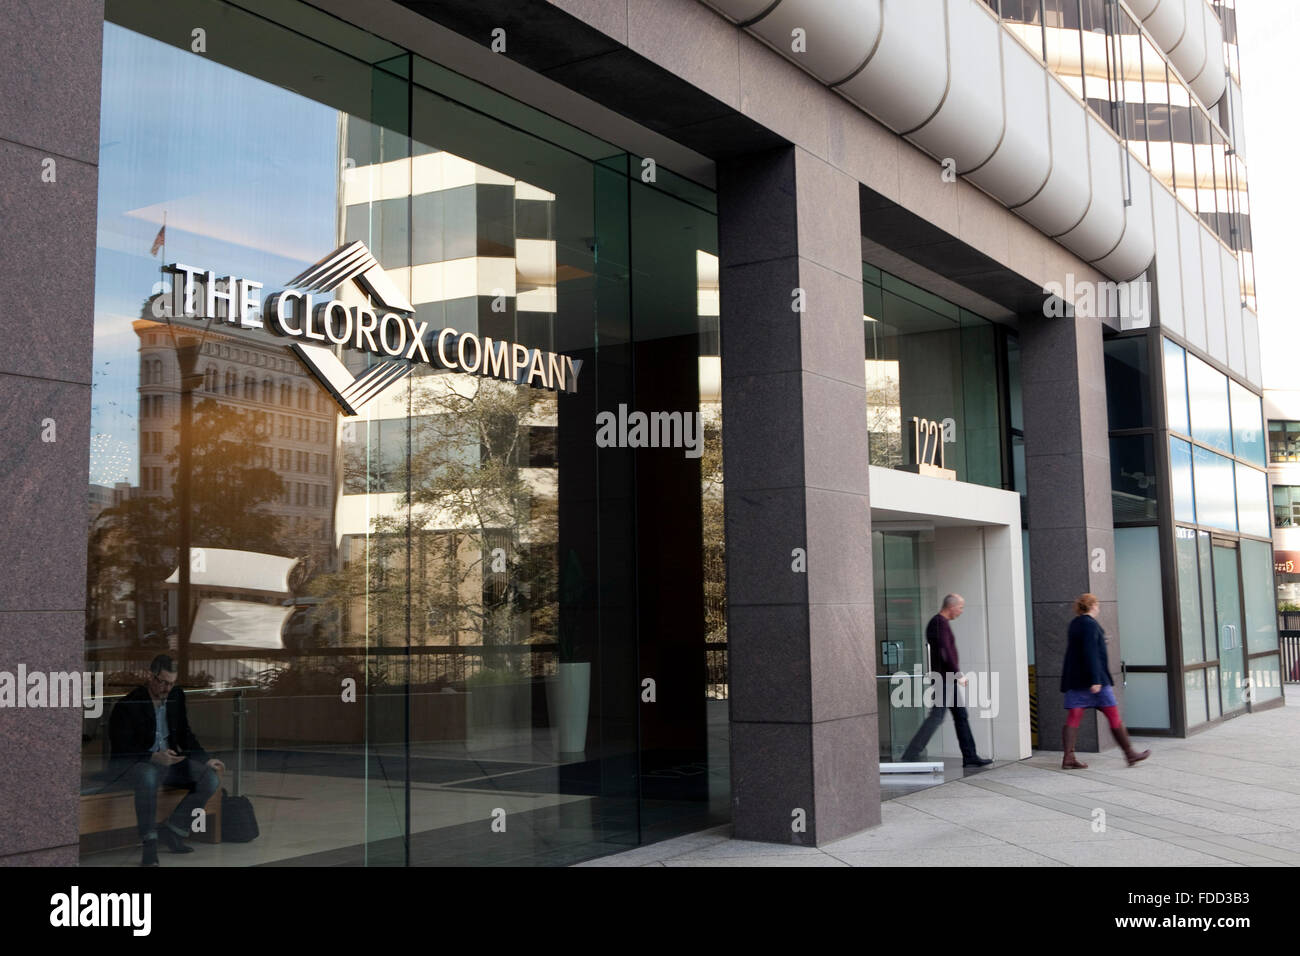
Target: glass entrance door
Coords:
[[903, 563], [1227, 610]]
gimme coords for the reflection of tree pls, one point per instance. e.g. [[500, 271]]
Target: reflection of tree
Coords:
[[884, 415], [132, 549], [482, 528], [228, 482], [714, 536], [133, 545]]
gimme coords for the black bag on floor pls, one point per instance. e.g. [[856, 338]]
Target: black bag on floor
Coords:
[[238, 824]]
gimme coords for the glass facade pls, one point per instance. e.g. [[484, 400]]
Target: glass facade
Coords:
[[403, 600], [927, 358], [1189, 612], [1227, 628]]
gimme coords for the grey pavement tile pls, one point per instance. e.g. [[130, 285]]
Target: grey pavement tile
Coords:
[[993, 854], [928, 832], [956, 790], [1282, 839], [1028, 833], [1046, 782], [1001, 808], [1142, 851], [1226, 822]]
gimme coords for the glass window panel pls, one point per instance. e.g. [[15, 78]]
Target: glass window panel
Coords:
[[1127, 383], [1266, 679], [1132, 478], [1189, 595], [927, 358], [1252, 500], [1207, 392], [1096, 61], [1259, 596], [1286, 506], [1063, 42], [1180, 467], [1015, 394], [1158, 122], [1216, 493], [1181, 126], [1141, 600], [1223, 201], [1212, 692], [1194, 695], [1283, 441], [1146, 701], [1176, 387], [1024, 19], [979, 430], [1132, 90], [1247, 423]]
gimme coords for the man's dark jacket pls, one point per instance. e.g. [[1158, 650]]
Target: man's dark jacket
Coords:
[[943, 659], [1086, 661], [131, 728]]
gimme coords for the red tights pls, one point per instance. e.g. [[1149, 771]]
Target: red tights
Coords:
[[1075, 716]]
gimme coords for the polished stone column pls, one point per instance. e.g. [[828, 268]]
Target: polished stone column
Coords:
[[49, 176], [798, 522], [1071, 535]]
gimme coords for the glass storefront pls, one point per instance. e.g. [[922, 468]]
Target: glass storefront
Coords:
[[402, 583]]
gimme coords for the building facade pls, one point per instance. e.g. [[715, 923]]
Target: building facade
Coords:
[[540, 429]]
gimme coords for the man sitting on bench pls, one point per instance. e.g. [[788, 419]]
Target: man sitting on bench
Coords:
[[154, 746]]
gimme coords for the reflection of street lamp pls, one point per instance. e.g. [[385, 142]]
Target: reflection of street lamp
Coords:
[[187, 356]]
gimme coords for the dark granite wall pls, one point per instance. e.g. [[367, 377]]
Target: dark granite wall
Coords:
[[49, 158]]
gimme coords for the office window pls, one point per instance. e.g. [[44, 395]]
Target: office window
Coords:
[[1283, 441], [1286, 506]]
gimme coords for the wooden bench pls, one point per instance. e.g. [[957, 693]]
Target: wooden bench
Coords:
[[108, 817]]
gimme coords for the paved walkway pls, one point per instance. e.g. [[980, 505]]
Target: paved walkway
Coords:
[[1226, 797]]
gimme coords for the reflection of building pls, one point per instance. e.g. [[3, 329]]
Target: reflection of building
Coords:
[[483, 261], [267, 391], [1282, 410]]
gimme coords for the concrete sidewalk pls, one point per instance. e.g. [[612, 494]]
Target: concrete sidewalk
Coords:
[[1226, 797]]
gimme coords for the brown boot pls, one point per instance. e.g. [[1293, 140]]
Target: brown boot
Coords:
[[1121, 738], [1068, 760]]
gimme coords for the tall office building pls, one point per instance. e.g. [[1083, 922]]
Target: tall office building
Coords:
[[663, 366]]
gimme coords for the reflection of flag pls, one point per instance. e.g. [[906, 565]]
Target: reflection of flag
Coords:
[[158, 240]]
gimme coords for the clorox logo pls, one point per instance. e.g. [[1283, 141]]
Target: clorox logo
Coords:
[[388, 327]]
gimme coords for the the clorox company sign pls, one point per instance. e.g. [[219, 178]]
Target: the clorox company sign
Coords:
[[388, 328]]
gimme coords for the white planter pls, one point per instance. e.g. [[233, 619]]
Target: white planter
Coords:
[[568, 698]]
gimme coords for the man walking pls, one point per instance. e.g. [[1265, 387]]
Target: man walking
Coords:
[[943, 658]]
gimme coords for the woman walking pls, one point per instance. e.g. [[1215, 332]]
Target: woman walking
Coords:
[[1085, 680]]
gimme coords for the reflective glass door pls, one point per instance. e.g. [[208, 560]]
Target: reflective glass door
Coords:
[[903, 564], [1227, 608]]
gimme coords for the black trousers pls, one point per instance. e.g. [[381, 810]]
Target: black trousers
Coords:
[[965, 739]]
